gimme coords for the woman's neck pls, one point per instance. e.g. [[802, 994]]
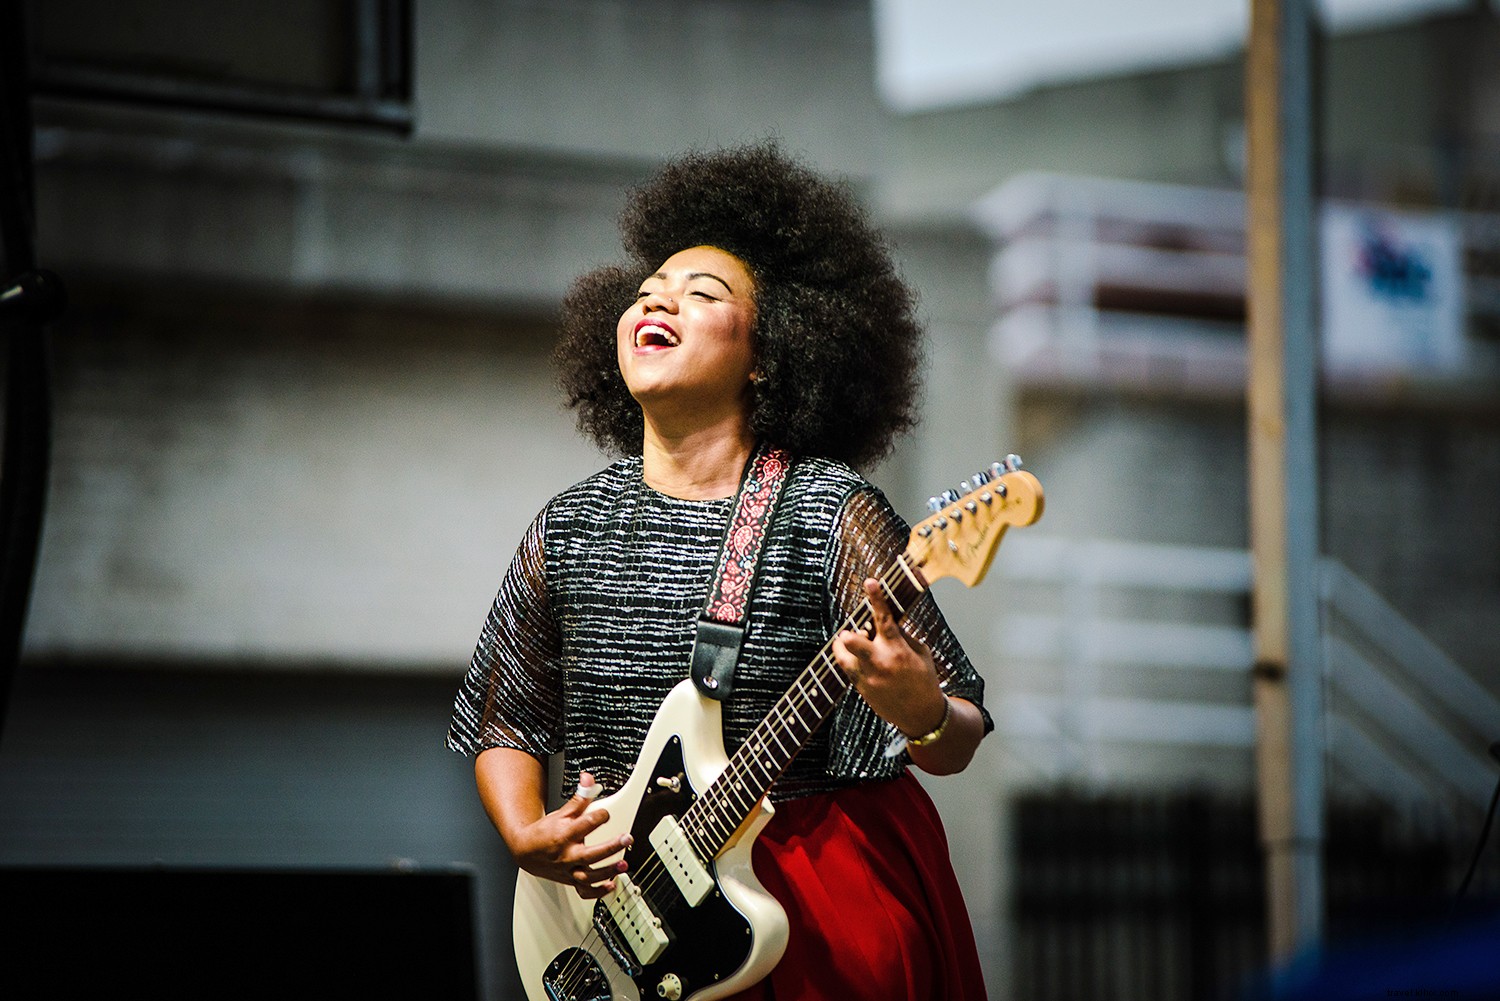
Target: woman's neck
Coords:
[[700, 465]]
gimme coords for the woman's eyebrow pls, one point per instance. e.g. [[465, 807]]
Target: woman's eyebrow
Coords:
[[662, 276], [709, 274]]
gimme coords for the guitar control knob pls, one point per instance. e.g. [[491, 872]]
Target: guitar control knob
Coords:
[[670, 987]]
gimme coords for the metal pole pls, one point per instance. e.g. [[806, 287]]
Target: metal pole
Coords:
[[1281, 403]]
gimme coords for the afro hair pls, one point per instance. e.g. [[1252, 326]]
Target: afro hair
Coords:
[[837, 346]]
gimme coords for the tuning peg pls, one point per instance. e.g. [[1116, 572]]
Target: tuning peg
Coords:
[[934, 504], [949, 496], [1012, 462], [965, 487], [981, 478]]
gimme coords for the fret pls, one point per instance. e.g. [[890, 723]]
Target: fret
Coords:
[[890, 596], [813, 676], [791, 720], [780, 727], [792, 706], [771, 734], [748, 779], [759, 742], [917, 585], [828, 665], [737, 789]]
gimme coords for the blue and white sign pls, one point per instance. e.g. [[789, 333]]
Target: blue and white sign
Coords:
[[1393, 295]]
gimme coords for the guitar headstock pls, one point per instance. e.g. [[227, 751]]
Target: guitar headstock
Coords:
[[960, 537]]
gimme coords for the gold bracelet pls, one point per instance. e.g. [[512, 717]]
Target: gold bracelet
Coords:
[[932, 738]]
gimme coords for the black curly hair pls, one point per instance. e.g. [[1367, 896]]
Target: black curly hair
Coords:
[[838, 348]]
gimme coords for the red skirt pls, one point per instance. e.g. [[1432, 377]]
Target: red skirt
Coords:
[[870, 893]]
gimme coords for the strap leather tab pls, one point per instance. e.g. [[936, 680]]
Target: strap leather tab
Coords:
[[716, 651]]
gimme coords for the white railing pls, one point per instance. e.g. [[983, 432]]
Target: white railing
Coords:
[[1406, 711], [1405, 723]]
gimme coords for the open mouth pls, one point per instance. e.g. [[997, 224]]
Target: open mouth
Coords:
[[655, 335]]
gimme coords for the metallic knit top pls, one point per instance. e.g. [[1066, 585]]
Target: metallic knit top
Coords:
[[595, 619]]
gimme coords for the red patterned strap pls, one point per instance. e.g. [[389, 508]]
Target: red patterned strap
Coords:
[[721, 626]]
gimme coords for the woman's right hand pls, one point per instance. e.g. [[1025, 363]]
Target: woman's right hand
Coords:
[[552, 847]]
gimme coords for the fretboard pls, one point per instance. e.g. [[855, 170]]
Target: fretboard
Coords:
[[769, 749]]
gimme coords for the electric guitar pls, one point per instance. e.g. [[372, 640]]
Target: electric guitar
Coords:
[[689, 919]]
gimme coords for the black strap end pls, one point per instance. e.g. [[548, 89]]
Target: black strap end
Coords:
[[716, 651]]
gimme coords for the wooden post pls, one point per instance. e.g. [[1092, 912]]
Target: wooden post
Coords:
[[1281, 405]]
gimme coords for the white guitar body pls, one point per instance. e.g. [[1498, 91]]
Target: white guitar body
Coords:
[[552, 921]]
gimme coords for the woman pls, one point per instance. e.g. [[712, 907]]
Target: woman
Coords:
[[758, 308]]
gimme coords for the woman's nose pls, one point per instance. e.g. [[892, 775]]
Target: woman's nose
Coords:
[[659, 300]]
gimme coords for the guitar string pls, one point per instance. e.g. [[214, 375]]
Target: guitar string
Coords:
[[649, 878]]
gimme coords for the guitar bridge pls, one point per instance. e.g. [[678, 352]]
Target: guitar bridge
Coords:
[[614, 944], [574, 975]]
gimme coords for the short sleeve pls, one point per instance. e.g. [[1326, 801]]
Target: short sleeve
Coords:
[[868, 537], [512, 695]]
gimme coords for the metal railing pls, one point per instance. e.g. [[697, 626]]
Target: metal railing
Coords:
[[1405, 724]]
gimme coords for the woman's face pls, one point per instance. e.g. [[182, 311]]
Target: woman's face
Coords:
[[686, 346]]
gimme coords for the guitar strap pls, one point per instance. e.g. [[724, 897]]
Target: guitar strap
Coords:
[[721, 624]]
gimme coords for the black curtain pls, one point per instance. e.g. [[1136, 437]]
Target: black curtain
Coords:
[[23, 312]]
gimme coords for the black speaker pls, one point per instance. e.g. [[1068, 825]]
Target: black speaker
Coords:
[[228, 933]]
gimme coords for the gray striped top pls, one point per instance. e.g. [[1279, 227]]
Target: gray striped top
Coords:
[[595, 619]]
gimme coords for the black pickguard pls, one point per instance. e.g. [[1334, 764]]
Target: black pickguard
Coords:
[[706, 943]]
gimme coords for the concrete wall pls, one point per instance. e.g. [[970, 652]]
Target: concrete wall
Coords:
[[649, 78], [240, 478]]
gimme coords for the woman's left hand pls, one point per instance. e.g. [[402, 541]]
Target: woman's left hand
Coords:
[[898, 678], [895, 674]]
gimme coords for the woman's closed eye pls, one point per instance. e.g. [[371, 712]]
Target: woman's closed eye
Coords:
[[695, 293]]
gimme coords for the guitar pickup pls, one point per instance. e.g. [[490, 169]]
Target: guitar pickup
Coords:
[[688, 871], [638, 924]]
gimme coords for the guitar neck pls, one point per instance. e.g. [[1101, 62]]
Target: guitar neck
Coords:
[[715, 816]]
